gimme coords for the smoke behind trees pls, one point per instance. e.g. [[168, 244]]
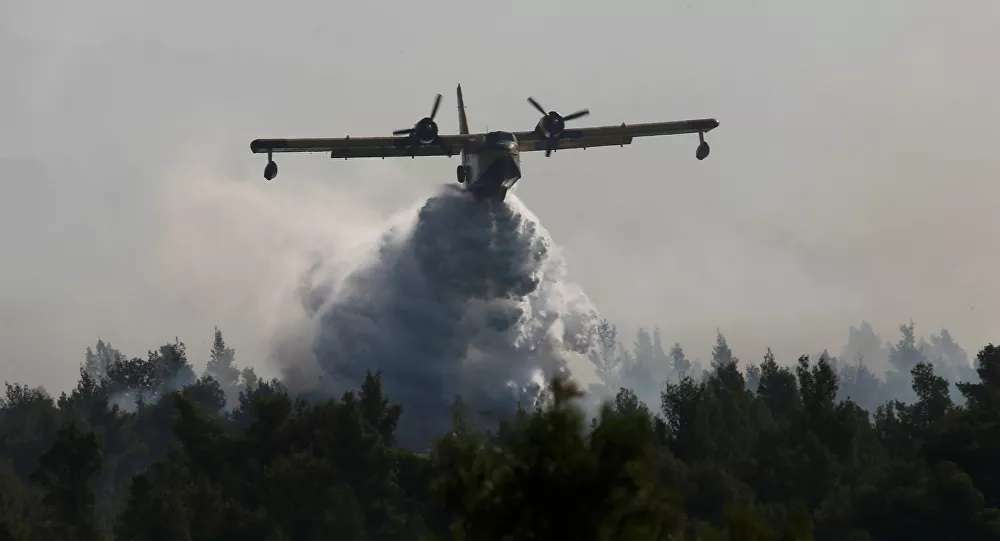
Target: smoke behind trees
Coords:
[[445, 299], [462, 298]]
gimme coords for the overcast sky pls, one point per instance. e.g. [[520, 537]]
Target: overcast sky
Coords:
[[852, 177]]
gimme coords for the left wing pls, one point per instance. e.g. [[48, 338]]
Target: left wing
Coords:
[[600, 136], [363, 147]]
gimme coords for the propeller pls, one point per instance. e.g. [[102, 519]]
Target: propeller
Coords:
[[553, 125], [424, 131]]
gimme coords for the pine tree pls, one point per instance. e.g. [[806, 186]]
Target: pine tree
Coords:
[[222, 367], [661, 361], [64, 474], [905, 354], [606, 357], [722, 354], [680, 364], [643, 348], [903, 357], [97, 363], [863, 341]]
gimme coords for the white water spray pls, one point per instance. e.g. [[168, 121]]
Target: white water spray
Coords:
[[458, 297]]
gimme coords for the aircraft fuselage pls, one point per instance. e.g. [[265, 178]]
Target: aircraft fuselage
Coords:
[[491, 170]]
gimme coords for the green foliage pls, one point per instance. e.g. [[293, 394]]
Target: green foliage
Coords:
[[549, 476], [222, 368], [63, 474], [141, 449]]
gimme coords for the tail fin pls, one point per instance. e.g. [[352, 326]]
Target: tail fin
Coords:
[[463, 122]]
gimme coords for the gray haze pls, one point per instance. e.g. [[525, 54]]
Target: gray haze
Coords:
[[852, 176]]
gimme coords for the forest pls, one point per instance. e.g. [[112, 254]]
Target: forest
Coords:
[[813, 448]]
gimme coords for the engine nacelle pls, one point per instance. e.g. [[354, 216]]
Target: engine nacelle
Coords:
[[270, 170], [426, 131], [551, 125]]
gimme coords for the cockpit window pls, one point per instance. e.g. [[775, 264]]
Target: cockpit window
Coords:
[[498, 136]]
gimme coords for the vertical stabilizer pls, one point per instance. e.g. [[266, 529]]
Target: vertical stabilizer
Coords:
[[463, 122]]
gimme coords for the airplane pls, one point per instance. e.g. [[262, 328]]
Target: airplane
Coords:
[[491, 161]]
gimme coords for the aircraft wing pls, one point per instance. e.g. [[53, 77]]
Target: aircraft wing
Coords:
[[362, 147], [600, 136]]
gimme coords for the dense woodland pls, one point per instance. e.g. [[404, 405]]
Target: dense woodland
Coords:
[[807, 448]]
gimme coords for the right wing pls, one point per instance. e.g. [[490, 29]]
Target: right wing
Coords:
[[364, 147], [620, 135]]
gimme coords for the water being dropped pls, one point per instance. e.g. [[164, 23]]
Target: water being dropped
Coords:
[[466, 298]]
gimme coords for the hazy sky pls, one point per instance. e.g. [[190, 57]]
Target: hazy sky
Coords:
[[852, 175]]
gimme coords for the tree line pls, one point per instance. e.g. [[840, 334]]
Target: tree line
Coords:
[[144, 449]]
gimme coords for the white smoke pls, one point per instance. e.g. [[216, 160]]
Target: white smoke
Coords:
[[458, 297]]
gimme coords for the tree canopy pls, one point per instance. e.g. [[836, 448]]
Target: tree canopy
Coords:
[[814, 449]]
